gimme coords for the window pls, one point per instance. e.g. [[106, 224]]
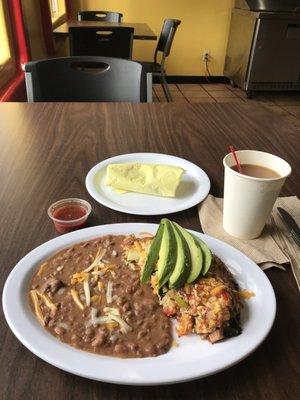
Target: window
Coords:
[[58, 11], [7, 57]]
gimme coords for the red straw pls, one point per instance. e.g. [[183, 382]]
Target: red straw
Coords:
[[232, 150]]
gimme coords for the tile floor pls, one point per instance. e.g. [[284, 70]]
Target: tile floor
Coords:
[[287, 105]]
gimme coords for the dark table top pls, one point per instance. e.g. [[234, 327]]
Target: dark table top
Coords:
[[46, 152], [141, 31]]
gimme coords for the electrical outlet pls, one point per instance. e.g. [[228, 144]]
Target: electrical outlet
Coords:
[[205, 56]]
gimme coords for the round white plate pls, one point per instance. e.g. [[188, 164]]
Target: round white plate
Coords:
[[194, 358], [193, 188]]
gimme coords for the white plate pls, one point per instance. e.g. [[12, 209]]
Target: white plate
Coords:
[[193, 188], [194, 358]]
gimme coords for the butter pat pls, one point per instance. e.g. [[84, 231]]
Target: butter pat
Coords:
[[155, 179]]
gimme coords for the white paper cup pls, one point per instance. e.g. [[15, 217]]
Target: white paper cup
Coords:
[[248, 201]]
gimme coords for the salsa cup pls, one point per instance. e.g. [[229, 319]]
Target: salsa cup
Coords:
[[69, 214]]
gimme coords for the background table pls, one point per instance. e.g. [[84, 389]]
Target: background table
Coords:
[[46, 151], [141, 31]]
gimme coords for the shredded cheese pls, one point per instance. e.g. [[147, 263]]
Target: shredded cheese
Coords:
[[37, 308], [94, 312], [112, 325], [99, 320], [79, 277], [100, 286], [87, 293], [76, 299], [62, 325], [95, 298], [113, 274], [132, 255], [111, 310], [100, 254], [41, 269], [246, 294], [138, 247], [98, 273], [109, 292], [46, 300], [124, 327], [217, 289]]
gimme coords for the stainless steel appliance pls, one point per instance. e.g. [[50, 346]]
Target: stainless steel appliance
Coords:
[[263, 51]]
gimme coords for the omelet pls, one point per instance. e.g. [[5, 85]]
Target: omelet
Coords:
[[153, 179]]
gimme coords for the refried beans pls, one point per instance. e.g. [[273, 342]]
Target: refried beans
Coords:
[[90, 296]]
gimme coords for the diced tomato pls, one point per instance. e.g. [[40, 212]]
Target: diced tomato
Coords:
[[169, 311], [224, 295]]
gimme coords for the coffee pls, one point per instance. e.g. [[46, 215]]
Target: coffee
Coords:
[[257, 171], [249, 199]]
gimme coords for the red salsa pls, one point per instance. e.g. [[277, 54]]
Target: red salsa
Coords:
[[68, 213]]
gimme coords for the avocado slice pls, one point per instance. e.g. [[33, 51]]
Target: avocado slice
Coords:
[[195, 251], [182, 267], [207, 256], [153, 254], [167, 254]]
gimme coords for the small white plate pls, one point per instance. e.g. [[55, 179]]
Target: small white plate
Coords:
[[193, 188], [193, 358]]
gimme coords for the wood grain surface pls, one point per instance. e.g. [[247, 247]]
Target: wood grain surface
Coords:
[[141, 31], [46, 152]]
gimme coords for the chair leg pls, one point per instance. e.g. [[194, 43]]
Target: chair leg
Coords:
[[165, 87]]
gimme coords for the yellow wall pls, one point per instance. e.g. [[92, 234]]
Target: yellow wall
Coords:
[[205, 25], [33, 27], [32, 19]]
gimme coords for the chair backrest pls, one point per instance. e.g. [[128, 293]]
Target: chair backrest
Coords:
[[83, 79], [108, 16], [104, 41], [166, 37]]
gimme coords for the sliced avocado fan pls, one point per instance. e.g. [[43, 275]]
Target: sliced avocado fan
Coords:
[[176, 256], [207, 256], [195, 251], [167, 254], [182, 267], [152, 255]]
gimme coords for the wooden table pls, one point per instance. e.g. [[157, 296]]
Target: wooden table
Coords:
[[141, 31], [46, 151]]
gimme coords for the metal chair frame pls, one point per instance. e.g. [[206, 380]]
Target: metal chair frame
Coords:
[[165, 53]]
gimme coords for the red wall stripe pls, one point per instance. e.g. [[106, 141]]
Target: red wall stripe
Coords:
[[15, 88], [69, 8], [20, 42]]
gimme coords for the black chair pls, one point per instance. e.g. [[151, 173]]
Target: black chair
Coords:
[[164, 47], [105, 16], [83, 79], [104, 41]]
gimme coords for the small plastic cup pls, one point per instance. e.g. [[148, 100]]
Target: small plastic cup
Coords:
[[69, 214]]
